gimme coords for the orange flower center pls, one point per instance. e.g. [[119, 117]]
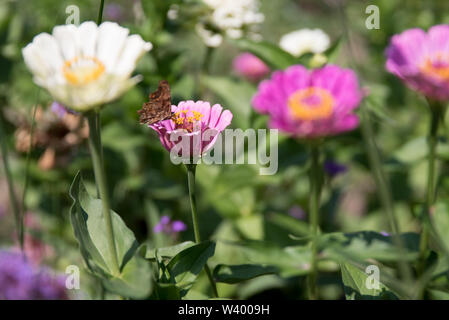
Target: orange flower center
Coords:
[[437, 66], [82, 70], [311, 103], [187, 119]]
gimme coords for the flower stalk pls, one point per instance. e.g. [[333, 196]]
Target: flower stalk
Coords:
[[100, 178], [191, 170], [436, 112], [314, 205], [12, 194]]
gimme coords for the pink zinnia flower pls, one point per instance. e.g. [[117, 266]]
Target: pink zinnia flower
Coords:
[[421, 60], [193, 129], [310, 104], [250, 66]]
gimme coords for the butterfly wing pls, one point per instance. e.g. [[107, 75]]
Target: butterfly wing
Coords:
[[159, 106]]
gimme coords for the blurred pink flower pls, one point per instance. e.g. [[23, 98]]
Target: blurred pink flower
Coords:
[[250, 66], [193, 129], [35, 249], [310, 104], [421, 60]]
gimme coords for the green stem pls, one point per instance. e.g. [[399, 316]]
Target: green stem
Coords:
[[382, 184], [100, 178], [384, 190], [191, 170], [431, 184], [100, 12], [12, 195], [201, 88], [314, 205], [28, 158], [207, 59]]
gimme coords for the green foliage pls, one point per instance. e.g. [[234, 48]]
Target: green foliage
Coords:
[[262, 248], [271, 54], [88, 223], [238, 273], [187, 264], [370, 245], [355, 285]]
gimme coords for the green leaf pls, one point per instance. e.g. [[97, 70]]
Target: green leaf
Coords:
[[356, 287], [86, 215], [438, 294], [369, 245], [236, 96], [271, 54], [186, 265], [239, 273], [290, 261], [440, 221], [418, 149], [134, 281], [168, 252], [166, 291], [295, 226], [413, 151]]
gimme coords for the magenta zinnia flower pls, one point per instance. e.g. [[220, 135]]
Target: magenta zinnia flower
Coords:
[[421, 60], [250, 66], [310, 104], [193, 129]]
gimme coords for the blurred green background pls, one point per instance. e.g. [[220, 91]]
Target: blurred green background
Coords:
[[235, 202]]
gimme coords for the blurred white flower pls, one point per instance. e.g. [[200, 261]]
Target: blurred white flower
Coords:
[[173, 12], [87, 65], [304, 41], [209, 38], [233, 18]]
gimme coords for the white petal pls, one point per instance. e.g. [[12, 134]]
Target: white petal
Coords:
[[111, 38], [133, 49], [67, 38], [87, 37], [34, 62]]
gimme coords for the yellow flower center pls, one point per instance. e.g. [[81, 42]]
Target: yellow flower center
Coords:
[[437, 66], [311, 103], [186, 119], [82, 70]]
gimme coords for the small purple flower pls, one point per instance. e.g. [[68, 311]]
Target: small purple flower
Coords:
[[297, 212], [49, 287], [166, 225], [58, 109], [113, 12], [178, 226], [20, 280], [334, 168], [385, 234]]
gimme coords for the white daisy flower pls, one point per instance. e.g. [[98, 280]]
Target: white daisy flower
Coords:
[[87, 65], [304, 41]]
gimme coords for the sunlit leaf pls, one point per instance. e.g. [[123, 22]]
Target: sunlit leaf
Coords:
[[357, 285], [238, 273]]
